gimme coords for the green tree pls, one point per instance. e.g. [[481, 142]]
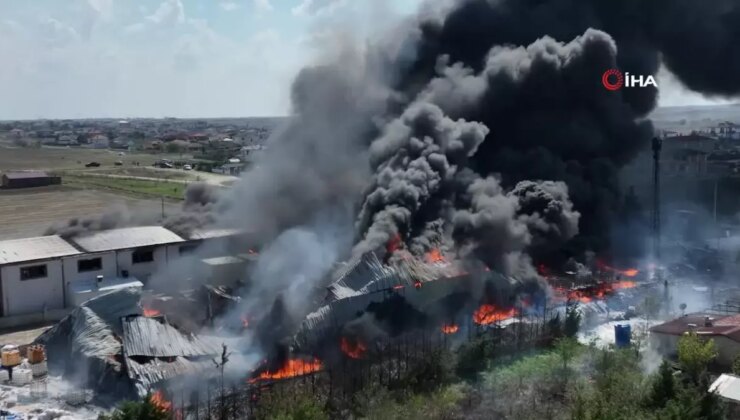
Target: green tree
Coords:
[[566, 348], [736, 365], [172, 148], [695, 354], [138, 410], [663, 388], [573, 318]]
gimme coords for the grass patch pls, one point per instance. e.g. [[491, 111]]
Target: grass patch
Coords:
[[149, 188]]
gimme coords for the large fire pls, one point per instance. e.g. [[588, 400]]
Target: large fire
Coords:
[[158, 399], [596, 291], [450, 328], [488, 314], [435, 256], [291, 368], [354, 349]]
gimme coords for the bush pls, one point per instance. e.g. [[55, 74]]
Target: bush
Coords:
[[138, 410], [473, 357], [429, 374], [443, 404], [300, 406]]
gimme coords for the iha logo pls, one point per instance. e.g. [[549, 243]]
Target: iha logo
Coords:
[[613, 79]]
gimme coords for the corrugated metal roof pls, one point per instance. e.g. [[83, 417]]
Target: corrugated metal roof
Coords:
[[154, 371], [125, 238], [727, 386], [26, 175], [198, 234], [30, 249], [150, 337]]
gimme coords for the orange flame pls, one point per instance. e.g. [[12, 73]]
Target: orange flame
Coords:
[[397, 287], [245, 321], [488, 314], [354, 350], [624, 284], [630, 272], [598, 291], [292, 368], [150, 312], [450, 328], [158, 399], [393, 244], [435, 256]]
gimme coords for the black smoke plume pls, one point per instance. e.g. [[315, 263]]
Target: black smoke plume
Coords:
[[497, 62]]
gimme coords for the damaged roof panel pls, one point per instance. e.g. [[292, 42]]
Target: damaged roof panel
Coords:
[[154, 371], [150, 337]]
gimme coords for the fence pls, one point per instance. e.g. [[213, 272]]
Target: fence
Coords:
[[386, 364]]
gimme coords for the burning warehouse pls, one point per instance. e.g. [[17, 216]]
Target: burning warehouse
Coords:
[[443, 161]]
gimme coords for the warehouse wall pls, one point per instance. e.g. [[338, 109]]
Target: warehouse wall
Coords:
[[35, 295]]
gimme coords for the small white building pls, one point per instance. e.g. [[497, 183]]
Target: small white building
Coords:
[[31, 276], [133, 251]]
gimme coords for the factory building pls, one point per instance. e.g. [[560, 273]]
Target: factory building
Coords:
[[42, 278], [126, 252]]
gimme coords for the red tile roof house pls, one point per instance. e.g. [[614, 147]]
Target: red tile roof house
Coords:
[[724, 330]]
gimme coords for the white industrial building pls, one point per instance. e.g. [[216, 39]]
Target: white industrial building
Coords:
[[31, 274], [135, 252], [42, 277]]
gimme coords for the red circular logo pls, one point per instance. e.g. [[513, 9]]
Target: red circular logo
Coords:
[[616, 82]]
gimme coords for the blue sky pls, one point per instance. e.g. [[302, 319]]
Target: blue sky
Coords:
[[182, 58]]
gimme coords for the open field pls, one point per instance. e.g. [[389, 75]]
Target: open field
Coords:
[[150, 188], [62, 158], [29, 212]]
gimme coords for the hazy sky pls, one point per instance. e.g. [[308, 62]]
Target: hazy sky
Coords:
[[181, 58]]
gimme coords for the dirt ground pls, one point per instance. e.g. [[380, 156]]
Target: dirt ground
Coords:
[[62, 158], [29, 212], [23, 337]]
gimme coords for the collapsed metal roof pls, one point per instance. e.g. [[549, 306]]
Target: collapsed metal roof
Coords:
[[32, 249], [126, 238], [367, 274], [152, 337], [366, 280]]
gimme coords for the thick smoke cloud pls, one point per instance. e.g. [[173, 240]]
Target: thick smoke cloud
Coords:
[[500, 227], [414, 161], [489, 61]]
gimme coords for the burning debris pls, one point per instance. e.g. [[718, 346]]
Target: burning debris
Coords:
[[353, 348], [450, 328], [489, 314], [291, 369]]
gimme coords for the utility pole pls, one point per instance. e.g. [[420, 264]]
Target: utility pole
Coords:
[[657, 146]]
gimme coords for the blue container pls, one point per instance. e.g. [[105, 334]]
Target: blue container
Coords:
[[622, 335]]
